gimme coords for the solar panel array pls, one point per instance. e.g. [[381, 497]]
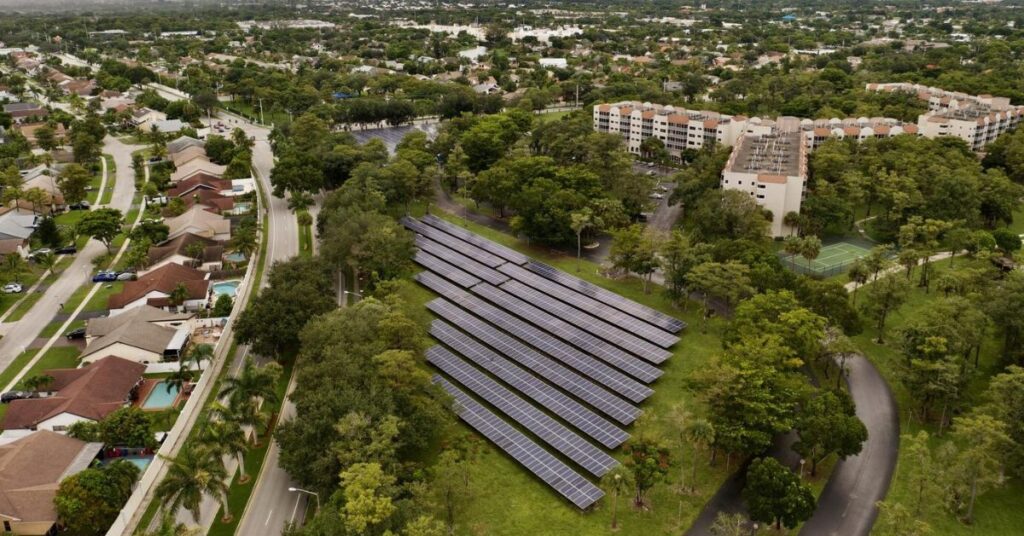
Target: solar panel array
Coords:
[[540, 462], [563, 361]]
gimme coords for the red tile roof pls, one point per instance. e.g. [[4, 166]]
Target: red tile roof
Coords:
[[162, 280]]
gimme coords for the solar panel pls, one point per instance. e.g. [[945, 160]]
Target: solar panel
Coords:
[[574, 447], [581, 339], [508, 254], [446, 270], [594, 326], [555, 473], [595, 369], [455, 258], [625, 305], [451, 242], [528, 385], [601, 310], [547, 368]]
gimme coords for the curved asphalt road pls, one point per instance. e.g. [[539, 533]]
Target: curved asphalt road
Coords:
[[846, 506]]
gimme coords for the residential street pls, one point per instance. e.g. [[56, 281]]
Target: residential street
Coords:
[[19, 335]]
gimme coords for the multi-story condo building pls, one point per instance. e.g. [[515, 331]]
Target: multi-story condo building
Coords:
[[978, 120], [677, 128], [772, 168]]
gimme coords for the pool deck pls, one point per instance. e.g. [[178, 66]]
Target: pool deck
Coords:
[[147, 387]]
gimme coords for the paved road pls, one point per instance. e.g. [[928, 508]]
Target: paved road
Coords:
[[846, 506], [20, 334]]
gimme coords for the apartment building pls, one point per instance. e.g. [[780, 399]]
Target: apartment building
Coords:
[[677, 128], [772, 168], [862, 128], [976, 119]]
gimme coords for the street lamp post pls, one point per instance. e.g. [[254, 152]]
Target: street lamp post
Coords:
[[307, 492], [802, 462]]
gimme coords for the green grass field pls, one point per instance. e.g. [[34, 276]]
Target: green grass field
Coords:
[[998, 512], [108, 191]]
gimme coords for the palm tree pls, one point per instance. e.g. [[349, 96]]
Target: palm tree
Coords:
[[299, 201], [178, 378], [37, 382], [178, 295], [48, 261], [617, 481], [14, 265], [191, 474], [252, 382], [226, 438], [169, 526], [249, 413], [701, 433], [199, 353]]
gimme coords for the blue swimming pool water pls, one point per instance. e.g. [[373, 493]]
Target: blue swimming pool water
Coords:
[[142, 462], [160, 397], [226, 287], [235, 257]]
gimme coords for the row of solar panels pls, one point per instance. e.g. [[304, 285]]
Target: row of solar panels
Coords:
[[533, 334]]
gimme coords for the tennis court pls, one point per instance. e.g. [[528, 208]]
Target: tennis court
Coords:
[[833, 259]]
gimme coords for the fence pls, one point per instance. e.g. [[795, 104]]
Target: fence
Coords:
[[799, 265]]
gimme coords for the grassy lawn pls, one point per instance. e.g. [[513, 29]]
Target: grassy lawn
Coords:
[[56, 357], [253, 112], [305, 238], [509, 500], [997, 512], [108, 192], [98, 301], [31, 299], [553, 116], [51, 329]]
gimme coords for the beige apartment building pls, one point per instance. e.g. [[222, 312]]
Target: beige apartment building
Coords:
[[772, 168], [677, 128]]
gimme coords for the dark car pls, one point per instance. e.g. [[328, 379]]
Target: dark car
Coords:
[[75, 334], [11, 396], [84, 205], [104, 277], [69, 249]]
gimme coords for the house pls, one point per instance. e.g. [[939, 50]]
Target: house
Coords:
[[169, 126], [15, 230], [212, 201], [558, 63], [140, 342], [89, 393], [189, 154], [29, 131], [195, 166], [198, 221], [104, 325], [22, 112], [175, 251], [155, 289], [82, 88], [199, 182], [31, 469], [143, 118], [181, 143]]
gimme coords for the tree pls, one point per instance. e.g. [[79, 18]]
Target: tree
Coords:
[[89, 501], [884, 296], [103, 224], [648, 461], [616, 481], [178, 295], [793, 246], [895, 520], [1008, 241], [48, 233], [701, 435], [195, 251], [779, 313], [15, 266], [222, 307], [728, 281], [367, 492], [977, 462], [37, 382], [922, 472], [730, 525], [678, 258], [810, 247], [226, 438], [451, 484], [581, 221], [775, 495], [636, 251], [252, 383], [194, 472], [73, 181], [1004, 400], [127, 427], [859, 274], [46, 137], [828, 424], [38, 197]]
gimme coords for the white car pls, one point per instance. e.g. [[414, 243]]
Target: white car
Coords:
[[12, 288], [656, 195]]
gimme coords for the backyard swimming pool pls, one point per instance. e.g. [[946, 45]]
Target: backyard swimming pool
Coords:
[[235, 257], [140, 461], [161, 397], [226, 287]]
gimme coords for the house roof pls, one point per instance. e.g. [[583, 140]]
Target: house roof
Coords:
[[200, 180], [168, 125], [137, 334], [197, 166], [93, 392], [98, 327], [197, 219], [183, 142], [162, 280], [32, 467], [211, 200], [188, 154], [14, 225], [212, 250]]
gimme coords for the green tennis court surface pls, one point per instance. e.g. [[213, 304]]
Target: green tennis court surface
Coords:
[[833, 259]]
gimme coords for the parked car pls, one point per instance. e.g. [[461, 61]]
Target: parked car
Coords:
[[127, 276], [656, 195], [69, 249], [104, 276], [11, 396], [75, 334], [155, 159], [84, 205], [12, 288], [37, 254]]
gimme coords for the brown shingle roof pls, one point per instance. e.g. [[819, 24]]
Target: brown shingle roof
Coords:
[[32, 467], [92, 392], [212, 250], [188, 154], [162, 280], [201, 180]]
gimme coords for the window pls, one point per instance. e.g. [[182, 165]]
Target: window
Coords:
[[60, 428]]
